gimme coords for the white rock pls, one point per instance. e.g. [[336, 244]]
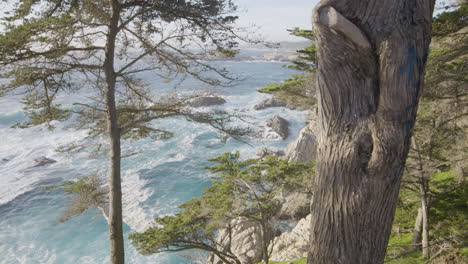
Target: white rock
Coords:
[[246, 241], [304, 149], [292, 245]]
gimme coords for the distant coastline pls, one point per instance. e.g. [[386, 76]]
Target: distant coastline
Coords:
[[259, 54], [288, 46]]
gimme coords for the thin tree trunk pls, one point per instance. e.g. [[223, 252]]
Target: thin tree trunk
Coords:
[[265, 241], [417, 231], [117, 255], [424, 197], [265, 236], [371, 59], [425, 224]]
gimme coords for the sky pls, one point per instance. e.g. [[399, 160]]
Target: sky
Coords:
[[274, 17]]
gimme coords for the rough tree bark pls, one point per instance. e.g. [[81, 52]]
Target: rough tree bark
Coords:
[[371, 59], [117, 255]]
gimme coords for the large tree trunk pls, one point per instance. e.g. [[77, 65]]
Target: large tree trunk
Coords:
[[371, 59], [117, 255]]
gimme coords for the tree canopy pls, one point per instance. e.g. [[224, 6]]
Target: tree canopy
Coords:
[[243, 189], [51, 47], [99, 48]]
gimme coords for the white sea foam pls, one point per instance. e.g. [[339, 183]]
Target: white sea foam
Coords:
[[134, 194], [27, 254], [157, 179], [20, 148]]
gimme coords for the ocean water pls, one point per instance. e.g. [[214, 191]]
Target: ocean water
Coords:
[[162, 175]]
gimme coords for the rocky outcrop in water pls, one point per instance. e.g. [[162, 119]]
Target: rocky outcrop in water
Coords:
[[280, 126], [294, 206], [4, 161], [276, 56], [207, 101], [304, 148], [42, 161], [270, 102]]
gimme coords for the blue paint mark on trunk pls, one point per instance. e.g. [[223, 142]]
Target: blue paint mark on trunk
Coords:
[[408, 71]]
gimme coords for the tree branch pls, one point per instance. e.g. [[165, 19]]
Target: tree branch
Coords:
[[330, 17]]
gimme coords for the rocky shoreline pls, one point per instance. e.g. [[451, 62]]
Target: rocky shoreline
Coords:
[[286, 243], [278, 56]]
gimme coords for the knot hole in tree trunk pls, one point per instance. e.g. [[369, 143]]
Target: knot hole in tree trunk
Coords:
[[365, 148]]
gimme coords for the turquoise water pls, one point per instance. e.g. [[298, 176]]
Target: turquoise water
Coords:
[[163, 174]]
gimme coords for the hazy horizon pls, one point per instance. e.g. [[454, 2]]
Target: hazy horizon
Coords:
[[274, 17]]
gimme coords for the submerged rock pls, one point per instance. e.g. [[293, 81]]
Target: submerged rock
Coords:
[[280, 126], [3, 161], [270, 102], [207, 101], [42, 161]]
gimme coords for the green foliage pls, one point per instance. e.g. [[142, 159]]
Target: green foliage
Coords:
[[15, 43], [85, 193], [407, 209], [286, 85], [410, 258], [446, 68], [306, 61], [242, 188], [308, 56], [449, 211], [298, 90], [177, 231], [192, 228], [52, 47], [450, 22], [147, 132], [397, 250], [304, 33], [305, 64], [39, 110], [456, 256], [436, 166], [227, 53], [405, 238], [464, 251]]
